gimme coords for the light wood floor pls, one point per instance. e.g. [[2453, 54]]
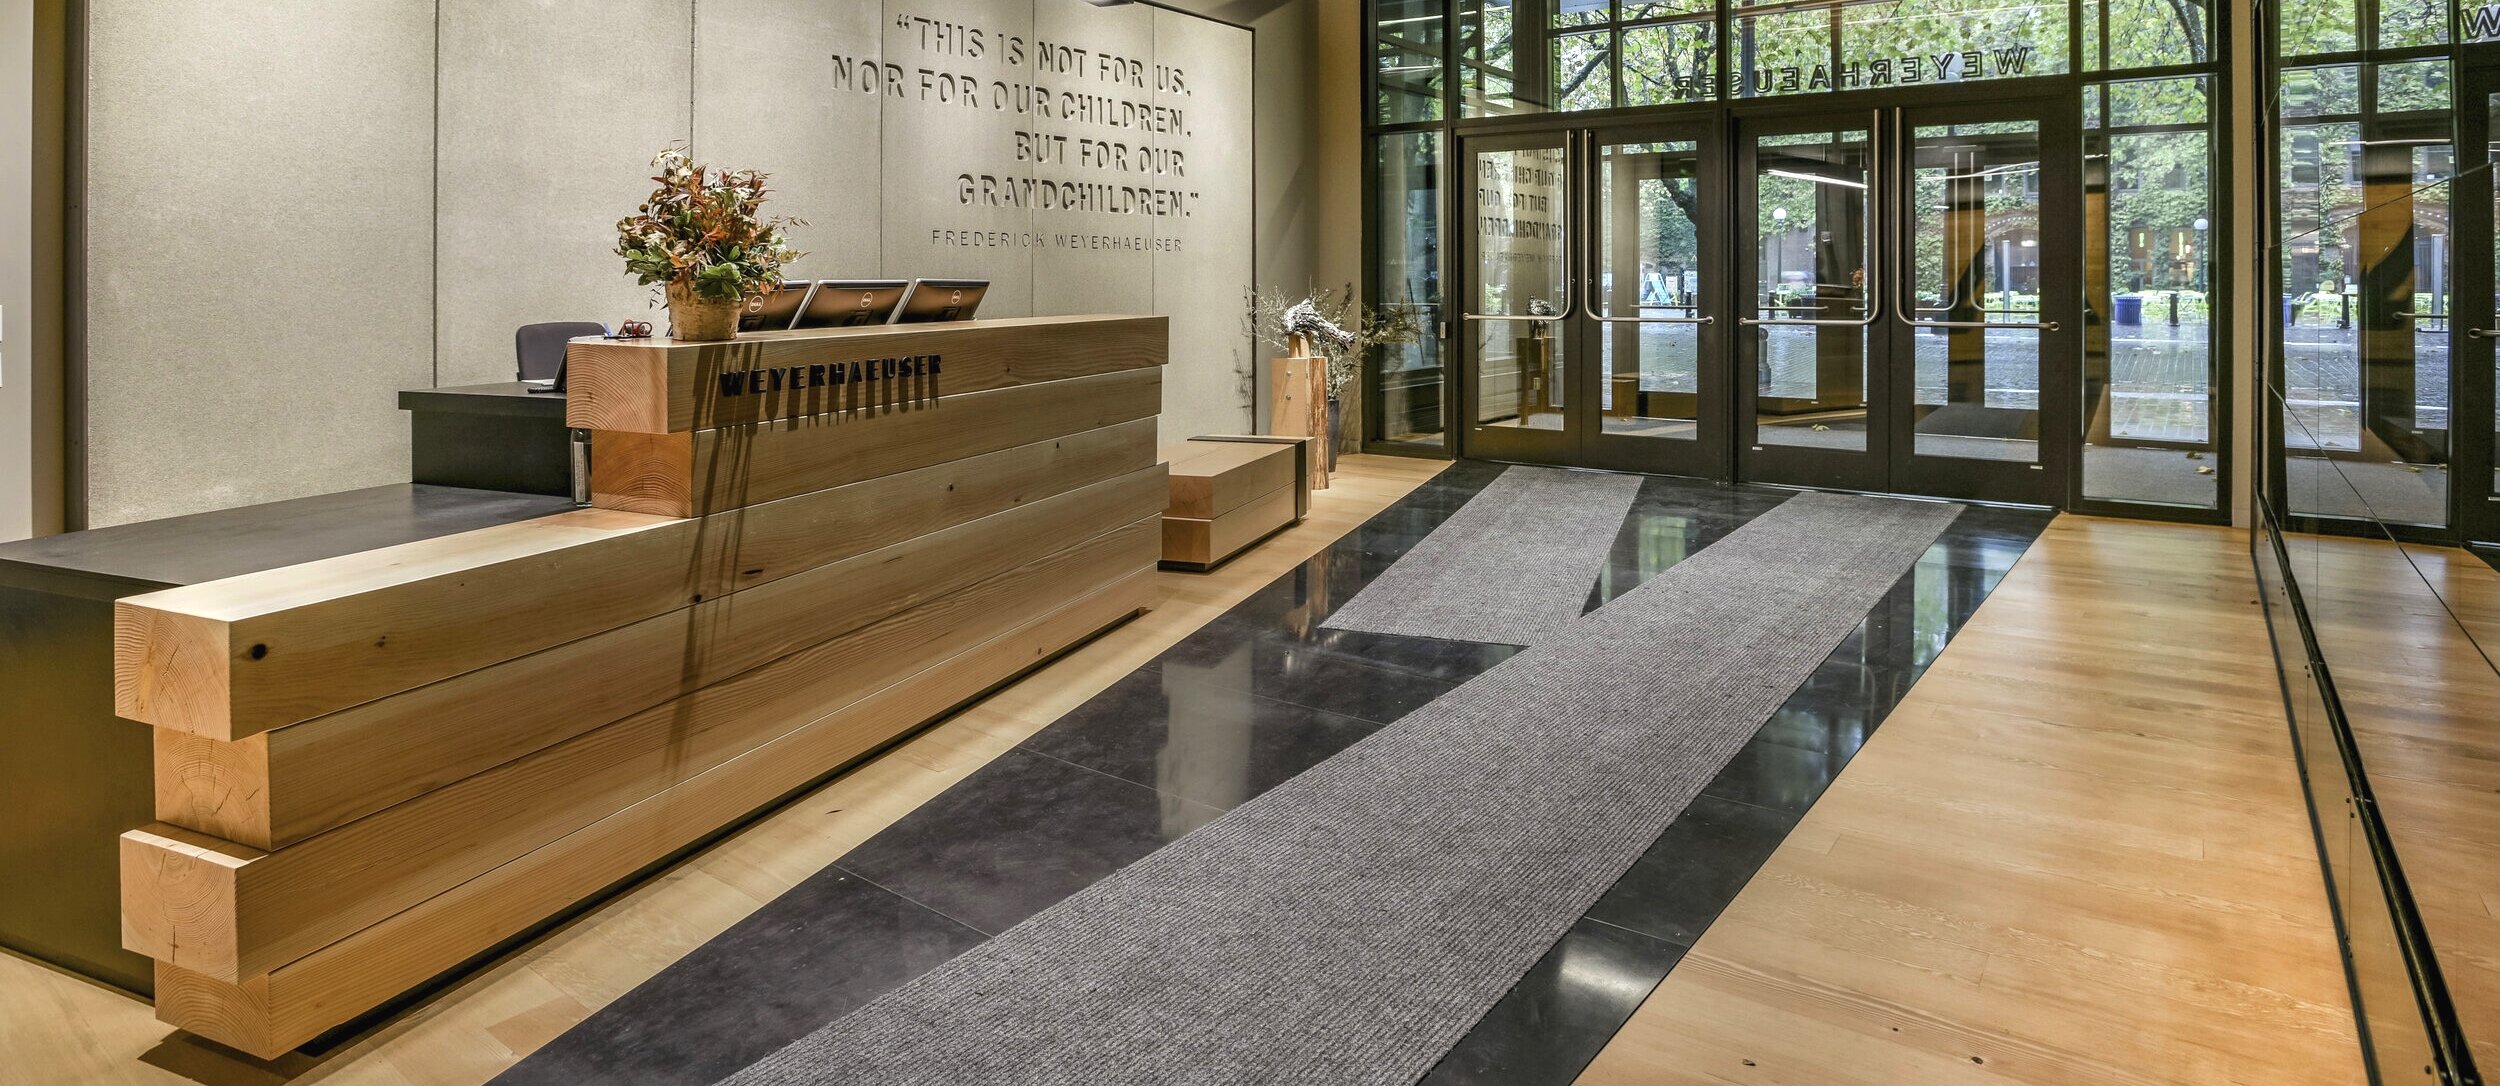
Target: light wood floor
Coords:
[[2399, 628], [2076, 853], [56, 1029]]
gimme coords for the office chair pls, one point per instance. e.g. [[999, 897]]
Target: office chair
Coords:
[[538, 349]]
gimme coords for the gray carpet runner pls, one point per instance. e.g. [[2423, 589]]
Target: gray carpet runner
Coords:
[[1512, 567], [1350, 925]]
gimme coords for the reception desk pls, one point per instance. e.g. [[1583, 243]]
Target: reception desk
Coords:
[[74, 776], [372, 768]]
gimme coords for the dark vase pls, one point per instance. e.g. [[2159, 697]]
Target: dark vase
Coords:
[[1336, 429]]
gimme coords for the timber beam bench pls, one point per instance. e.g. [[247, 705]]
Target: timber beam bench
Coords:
[[1229, 492], [373, 768]]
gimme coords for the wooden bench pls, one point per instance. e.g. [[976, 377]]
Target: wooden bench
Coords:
[[1230, 492]]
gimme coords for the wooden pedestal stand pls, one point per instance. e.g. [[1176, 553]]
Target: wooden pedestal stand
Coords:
[[1536, 370], [1298, 405]]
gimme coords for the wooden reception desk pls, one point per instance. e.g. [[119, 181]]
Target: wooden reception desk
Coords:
[[373, 768], [75, 776]]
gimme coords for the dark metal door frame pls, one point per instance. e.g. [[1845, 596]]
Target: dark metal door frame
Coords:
[[2474, 508], [1506, 443], [1890, 463], [1583, 317], [1705, 454], [1727, 377], [2054, 477], [1793, 465]]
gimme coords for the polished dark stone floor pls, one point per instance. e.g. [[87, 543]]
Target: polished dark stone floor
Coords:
[[1551, 1024], [1254, 697]]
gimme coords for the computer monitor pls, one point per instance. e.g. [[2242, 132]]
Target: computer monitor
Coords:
[[553, 384], [841, 303], [776, 309], [932, 300]]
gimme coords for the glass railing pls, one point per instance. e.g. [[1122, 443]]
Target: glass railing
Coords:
[[2388, 651]]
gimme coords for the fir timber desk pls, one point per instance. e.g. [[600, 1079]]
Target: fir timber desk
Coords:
[[374, 768], [74, 776]]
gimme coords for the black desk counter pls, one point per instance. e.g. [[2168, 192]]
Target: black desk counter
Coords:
[[74, 774], [500, 436]]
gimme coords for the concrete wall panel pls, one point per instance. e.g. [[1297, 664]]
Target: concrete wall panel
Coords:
[[1094, 261], [1203, 283], [948, 58], [300, 208], [259, 254], [551, 111], [767, 96]]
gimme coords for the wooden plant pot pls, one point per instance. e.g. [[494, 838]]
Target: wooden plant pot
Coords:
[[700, 320]]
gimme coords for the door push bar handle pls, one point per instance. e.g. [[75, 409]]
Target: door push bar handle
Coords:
[[1874, 266], [2413, 316], [1794, 322], [1907, 307], [2041, 326], [1604, 319]]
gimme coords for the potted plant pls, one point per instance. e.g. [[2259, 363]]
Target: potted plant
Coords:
[[1337, 327], [702, 241]]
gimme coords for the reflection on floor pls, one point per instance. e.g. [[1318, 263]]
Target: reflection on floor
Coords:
[[2166, 476], [2410, 634], [2157, 476], [1575, 999], [1252, 698], [1628, 425], [2390, 493], [2076, 853], [1851, 436]]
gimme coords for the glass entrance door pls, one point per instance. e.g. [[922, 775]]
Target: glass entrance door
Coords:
[[1517, 299], [1985, 310], [1590, 336], [1655, 219], [1911, 296], [1902, 285], [1813, 334]]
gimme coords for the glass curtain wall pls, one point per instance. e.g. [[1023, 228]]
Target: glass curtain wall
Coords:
[[1536, 56], [1405, 245], [2151, 370], [2377, 414], [2365, 127], [2145, 75]]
